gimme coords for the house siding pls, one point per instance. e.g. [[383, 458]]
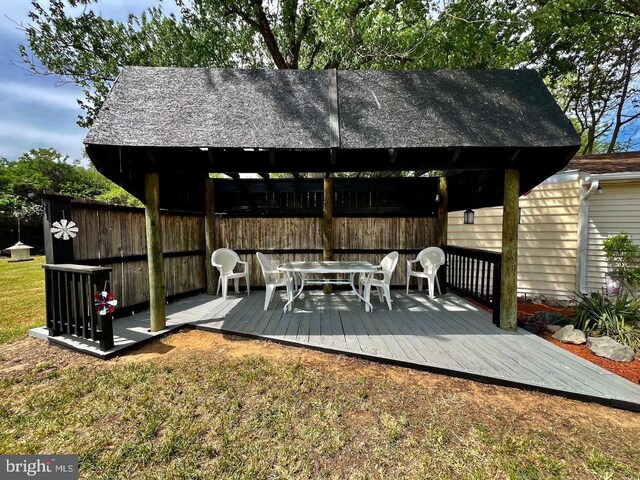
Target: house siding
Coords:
[[547, 238], [615, 210]]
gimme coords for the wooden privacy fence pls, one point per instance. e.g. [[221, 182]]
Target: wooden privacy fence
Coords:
[[288, 239], [114, 236]]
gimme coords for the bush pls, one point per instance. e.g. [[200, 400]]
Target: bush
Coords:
[[623, 257], [598, 315]]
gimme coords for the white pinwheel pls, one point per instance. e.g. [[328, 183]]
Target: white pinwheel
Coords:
[[65, 229]]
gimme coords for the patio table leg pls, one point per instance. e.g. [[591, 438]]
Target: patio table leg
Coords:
[[291, 295]]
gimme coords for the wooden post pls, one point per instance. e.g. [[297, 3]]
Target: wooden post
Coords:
[[327, 225], [443, 220], [509, 282], [210, 234], [57, 250], [154, 251]]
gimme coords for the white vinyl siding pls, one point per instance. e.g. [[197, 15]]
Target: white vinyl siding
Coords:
[[615, 210], [547, 238]]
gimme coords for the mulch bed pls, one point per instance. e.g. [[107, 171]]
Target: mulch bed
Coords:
[[630, 371]]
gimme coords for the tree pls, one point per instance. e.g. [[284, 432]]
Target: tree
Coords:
[[587, 50]]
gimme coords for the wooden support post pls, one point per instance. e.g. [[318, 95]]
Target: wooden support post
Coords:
[[443, 220], [154, 251], [509, 282], [327, 225], [210, 234]]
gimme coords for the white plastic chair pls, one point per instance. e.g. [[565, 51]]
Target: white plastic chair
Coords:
[[271, 280], [382, 285], [225, 260], [431, 259]]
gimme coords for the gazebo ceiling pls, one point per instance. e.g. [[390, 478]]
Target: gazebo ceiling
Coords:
[[185, 123]]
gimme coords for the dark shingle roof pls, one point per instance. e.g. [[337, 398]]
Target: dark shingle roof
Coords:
[[444, 108], [285, 109], [198, 107], [606, 163]]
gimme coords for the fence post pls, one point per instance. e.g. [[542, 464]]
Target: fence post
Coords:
[[57, 250], [327, 225], [210, 233]]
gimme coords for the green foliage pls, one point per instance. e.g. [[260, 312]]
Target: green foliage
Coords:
[[623, 257], [618, 318], [46, 169]]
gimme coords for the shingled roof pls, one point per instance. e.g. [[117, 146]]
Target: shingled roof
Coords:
[[606, 163], [187, 122], [285, 109]]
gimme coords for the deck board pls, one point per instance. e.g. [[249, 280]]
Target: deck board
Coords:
[[447, 334]]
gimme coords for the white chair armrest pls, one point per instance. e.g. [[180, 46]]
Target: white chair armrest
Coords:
[[412, 261]]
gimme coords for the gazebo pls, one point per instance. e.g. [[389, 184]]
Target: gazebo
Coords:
[[491, 135]]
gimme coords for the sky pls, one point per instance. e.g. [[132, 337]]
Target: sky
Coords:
[[36, 111]]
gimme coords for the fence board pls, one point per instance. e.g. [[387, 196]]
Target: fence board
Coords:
[[120, 233]]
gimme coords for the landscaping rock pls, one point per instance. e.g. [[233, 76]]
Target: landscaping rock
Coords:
[[569, 334], [547, 317], [607, 347], [553, 328]]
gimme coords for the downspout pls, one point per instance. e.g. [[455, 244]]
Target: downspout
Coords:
[[583, 231]]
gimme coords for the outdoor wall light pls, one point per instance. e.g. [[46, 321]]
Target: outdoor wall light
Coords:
[[469, 217]]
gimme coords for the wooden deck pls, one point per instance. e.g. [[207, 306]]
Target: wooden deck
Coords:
[[447, 335]]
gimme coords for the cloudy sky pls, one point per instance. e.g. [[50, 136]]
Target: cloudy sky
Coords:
[[35, 111]]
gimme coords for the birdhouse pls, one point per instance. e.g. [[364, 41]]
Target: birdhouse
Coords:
[[20, 252]]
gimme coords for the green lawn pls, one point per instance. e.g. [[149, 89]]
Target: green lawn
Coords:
[[21, 298], [199, 405]]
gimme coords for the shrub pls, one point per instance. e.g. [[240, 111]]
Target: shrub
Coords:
[[623, 257], [598, 315]]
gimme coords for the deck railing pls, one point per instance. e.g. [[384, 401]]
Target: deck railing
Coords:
[[475, 274], [70, 291]]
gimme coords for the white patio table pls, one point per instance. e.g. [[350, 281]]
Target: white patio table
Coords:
[[304, 269]]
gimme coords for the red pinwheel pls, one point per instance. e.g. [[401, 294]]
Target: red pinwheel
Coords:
[[105, 303]]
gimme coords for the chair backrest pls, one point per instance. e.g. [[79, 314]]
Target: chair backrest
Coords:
[[431, 258], [390, 261], [265, 266], [226, 258]]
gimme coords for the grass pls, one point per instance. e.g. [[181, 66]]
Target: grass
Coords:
[[209, 413], [21, 298], [199, 405]]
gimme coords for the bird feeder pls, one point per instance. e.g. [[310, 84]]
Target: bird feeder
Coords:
[[20, 252]]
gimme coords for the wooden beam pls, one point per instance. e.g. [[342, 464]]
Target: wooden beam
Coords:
[[327, 225], [210, 234], [456, 154], [154, 251], [443, 220], [443, 212], [509, 281]]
